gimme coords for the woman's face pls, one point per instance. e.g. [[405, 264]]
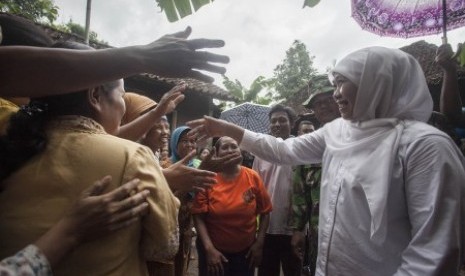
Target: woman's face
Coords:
[[157, 136], [185, 145], [345, 95], [112, 108], [227, 146], [205, 152]]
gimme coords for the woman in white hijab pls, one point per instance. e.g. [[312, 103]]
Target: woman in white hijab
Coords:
[[392, 194]]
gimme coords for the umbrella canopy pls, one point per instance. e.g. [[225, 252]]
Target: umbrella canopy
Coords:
[[408, 18], [250, 116]]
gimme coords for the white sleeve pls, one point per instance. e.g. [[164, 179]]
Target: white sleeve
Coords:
[[27, 262], [434, 189], [305, 149]]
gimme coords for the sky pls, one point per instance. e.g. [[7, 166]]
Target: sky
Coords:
[[257, 32]]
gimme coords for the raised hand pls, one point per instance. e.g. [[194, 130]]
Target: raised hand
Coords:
[[182, 178], [445, 57], [171, 99], [174, 55]]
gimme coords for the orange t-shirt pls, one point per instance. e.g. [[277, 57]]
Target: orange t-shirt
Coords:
[[231, 209]]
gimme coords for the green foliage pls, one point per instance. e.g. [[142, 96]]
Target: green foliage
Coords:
[[311, 3], [250, 94], [294, 72], [78, 29], [177, 9], [460, 54], [35, 10]]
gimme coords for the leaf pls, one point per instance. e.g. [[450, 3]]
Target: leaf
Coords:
[[310, 3], [170, 9], [177, 9], [197, 4], [183, 7]]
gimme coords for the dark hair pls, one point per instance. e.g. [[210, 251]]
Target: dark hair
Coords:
[[18, 31], [281, 108], [25, 135]]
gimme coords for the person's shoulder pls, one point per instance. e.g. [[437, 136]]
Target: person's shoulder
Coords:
[[118, 144]]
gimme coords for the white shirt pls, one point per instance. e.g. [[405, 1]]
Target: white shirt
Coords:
[[278, 182], [425, 208]]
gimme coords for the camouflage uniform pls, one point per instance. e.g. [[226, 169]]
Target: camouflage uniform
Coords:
[[305, 205]]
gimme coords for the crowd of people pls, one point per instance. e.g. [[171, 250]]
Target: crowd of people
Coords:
[[94, 182]]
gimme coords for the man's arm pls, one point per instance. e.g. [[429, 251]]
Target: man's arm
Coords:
[[56, 71]]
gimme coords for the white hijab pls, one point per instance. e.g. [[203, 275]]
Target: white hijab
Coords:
[[391, 88]]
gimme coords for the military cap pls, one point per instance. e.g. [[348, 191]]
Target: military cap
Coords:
[[318, 85]]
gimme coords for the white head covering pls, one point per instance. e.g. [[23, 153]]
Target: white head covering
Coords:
[[391, 88]]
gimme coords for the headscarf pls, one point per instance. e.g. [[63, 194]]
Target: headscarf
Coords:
[[136, 105], [175, 137], [391, 89]]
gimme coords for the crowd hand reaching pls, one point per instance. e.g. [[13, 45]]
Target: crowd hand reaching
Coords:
[[95, 214], [174, 55], [254, 255], [214, 163], [182, 178], [215, 261], [206, 127], [445, 57], [298, 243], [171, 99]]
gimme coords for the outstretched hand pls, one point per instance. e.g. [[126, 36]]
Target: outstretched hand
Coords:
[[210, 127], [174, 55], [182, 178]]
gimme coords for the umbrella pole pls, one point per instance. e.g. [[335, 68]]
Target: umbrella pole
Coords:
[[444, 22]]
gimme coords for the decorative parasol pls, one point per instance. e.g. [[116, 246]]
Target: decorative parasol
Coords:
[[409, 18], [250, 116]]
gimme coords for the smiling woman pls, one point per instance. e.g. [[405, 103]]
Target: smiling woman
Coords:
[[392, 196]]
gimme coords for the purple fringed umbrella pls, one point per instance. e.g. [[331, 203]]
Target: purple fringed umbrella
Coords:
[[409, 18]]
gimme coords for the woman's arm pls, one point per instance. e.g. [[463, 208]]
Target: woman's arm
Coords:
[[139, 127], [214, 257], [56, 71], [94, 215], [305, 149], [256, 250]]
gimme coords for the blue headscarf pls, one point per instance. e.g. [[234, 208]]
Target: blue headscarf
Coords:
[[175, 137]]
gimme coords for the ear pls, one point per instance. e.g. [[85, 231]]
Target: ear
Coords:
[[95, 98]]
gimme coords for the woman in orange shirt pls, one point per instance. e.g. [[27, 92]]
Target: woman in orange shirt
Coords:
[[225, 218]]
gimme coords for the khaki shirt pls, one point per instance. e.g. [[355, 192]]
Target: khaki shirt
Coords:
[[78, 153]]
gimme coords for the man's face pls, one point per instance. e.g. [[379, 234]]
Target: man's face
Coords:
[[280, 124], [305, 128], [325, 108]]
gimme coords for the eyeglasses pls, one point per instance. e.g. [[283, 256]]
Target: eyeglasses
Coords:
[[319, 103], [187, 142]]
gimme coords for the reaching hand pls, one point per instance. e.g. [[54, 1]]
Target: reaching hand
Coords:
[[175, 56], [186, 179], [214, 163], [215, 262], [445, 57], [171, 99], [95, 215], [207, 127]]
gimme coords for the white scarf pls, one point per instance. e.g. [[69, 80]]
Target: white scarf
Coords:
[[391, 88]]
